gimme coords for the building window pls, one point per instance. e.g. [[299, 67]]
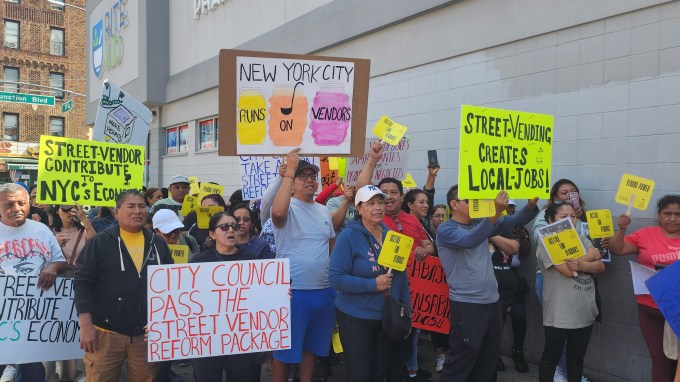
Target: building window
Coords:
[[176, 139], [57, 42], [11, 79], [208, 134], [11, 34], [12, 1], [57, 5], [57, 126], [57, 85], [10, 126]]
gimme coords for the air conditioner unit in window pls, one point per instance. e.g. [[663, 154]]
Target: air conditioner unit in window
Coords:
[[11, 45]]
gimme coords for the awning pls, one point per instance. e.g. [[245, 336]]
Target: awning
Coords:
[[21, 163]]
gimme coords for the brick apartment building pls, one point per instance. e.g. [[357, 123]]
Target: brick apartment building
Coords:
[[42, 53]]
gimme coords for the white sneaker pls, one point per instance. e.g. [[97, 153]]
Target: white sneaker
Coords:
[[584, 379], [440, 363], [9, 374], [559, 375]]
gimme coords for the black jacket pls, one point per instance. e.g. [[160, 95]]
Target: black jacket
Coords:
[[107, 283]]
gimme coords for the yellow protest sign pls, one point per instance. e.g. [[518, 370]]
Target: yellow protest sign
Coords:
[[600, 224], [209, 188], [342, 167], [408, 181], [563, 246], [333, 163], [481, 208], [335, 340], [193, 185], [639, 188], [504, 150], [180, 253], [389, 131], [190, 202], [88, 172], [203, 215], [395, 251]]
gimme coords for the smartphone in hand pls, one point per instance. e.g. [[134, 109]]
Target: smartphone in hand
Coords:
[[575, 200], [432, 161]]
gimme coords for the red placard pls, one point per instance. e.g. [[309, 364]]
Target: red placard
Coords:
[[429, 295]]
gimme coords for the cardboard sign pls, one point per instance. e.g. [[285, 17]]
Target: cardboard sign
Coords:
[[258, 172], [504, 150], [328, 176], [37, 326], [270, 103], [600, 224], [429, 295], [395, 251], [188, 205], [482, 208], [408, 181], [640, 188], [88, 172], [392, 163], [389, 131], [193, 185], [561, 241], [208, 189], [210, 309], [203, 215], [121, 118], [180, 253], [664, 287]]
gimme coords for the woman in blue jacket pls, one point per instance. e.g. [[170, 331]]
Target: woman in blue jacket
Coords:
[[361, 284]]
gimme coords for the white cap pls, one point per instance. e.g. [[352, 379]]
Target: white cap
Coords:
[[179, 179], [166, 221], [365, 194], [511, 202]]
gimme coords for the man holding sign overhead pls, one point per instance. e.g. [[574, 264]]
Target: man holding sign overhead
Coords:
[[476, 321]]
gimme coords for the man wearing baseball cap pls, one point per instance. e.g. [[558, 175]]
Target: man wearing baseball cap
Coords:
[[178, 189]]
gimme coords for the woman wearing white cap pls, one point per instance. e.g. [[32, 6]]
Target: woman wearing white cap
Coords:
[[361, 283], [167, 225]]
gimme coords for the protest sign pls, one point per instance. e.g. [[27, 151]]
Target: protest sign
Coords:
[[35, 325], [637, 188], [121, 118], [335, 341], [392, 163], [209, 309], [408, 181], [272, 102], [180, 253], [193, 185], [482, 208], [208, 189], [328, 176], [88, 172], [640, 274], [504, 150], [188, 205], [203, 215], [600, 224], [389, 131], [395, 251], [664, 287], [561, 241], [257, 172], [429, 295]]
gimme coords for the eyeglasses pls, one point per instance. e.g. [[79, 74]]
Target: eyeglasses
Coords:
[[242, 220], [225, 226], [66, 209], [175, 231], [306, 177]]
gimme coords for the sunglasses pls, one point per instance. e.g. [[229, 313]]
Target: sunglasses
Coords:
[[225, 226], [244, 220], [66, 209], [305, 177]]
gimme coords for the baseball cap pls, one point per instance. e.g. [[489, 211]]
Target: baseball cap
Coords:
[[511, 202], [179, 179], [166, 221], [365, 194], [303, 164]]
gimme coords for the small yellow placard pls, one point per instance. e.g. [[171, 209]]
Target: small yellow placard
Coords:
[[481, 208], [600, 224], [203, 215], [193, 185], [389, 131], [180, 253], [333, 163], [188, 205], [335, 340], [408, 181], [395, 251], [641, 188], [209, 188], [563, 246], [342, 167]]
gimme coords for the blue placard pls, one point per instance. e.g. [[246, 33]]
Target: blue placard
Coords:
[[665, 290]]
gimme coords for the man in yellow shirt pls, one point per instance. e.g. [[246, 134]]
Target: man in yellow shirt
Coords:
[[110, 293]]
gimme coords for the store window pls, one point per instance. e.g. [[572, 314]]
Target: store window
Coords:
[[11, 34], [11, 79], [56, 42], [176, 139], [208, 134], [10, 126], [57, 126], [57, 85]]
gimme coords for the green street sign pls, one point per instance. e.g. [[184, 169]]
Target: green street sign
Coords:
[[31, 99], [66, 106]]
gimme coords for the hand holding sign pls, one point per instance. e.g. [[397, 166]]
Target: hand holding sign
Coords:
[[600, 224], [384, 282], [634, 191]]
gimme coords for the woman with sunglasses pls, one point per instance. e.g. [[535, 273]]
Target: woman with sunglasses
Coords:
[[245, 237], [223, 230]]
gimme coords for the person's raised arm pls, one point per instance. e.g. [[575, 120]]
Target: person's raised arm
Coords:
[[284, 194], [374, 154], [339, 211], [429, 188], [617, 245], [270, 193], [507, 246], [327, 192]]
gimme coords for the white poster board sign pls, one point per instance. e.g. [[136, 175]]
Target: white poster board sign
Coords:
[[37, 326], [392, 164], [210, 309], [257, 172], [121, 118]]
